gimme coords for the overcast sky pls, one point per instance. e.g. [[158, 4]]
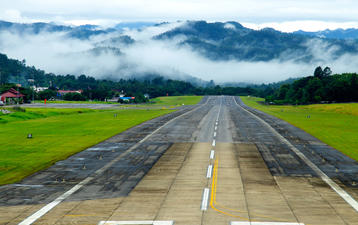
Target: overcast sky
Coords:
[[285, 15]]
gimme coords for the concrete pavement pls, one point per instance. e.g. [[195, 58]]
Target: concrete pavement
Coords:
[[255, 177]]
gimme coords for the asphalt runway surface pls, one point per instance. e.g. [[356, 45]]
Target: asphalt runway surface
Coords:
[[218, 162]]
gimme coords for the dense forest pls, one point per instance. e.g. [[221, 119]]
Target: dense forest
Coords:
[[14, 71], [322, 87]]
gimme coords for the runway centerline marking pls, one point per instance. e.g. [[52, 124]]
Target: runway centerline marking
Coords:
[[214, 143], [209, 172], [349, 199], [204, 203], [31, 219], [214, 134], [212, 154]]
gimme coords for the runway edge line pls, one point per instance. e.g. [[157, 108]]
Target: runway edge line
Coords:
[[349, 199], [38, 214]]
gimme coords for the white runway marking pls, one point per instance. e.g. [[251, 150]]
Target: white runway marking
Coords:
[[136, 222], [216, 127], [212, 154], [209, 172], [48, 207], [213, 144], [351, 201], [263, 223], [214, 134], [31, 219], [204, 203]]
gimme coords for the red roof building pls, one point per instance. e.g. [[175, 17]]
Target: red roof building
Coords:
[[11, 95]]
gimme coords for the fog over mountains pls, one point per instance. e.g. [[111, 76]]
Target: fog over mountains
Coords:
[[221, 51]]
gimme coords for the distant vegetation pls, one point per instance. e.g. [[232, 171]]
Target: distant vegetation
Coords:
[[177, 100], [334, 124], [15, 71], [320, 88], [231, 40]]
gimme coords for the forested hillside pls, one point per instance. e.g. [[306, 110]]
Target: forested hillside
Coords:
[[321, 87], [14, 71]]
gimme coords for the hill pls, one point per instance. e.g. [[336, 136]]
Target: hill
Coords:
[[15, 71], [350, 33], [231, 40]]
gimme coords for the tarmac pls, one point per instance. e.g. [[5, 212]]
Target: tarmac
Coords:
[[219, 162]]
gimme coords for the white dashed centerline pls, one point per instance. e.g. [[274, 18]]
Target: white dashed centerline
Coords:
[[38, 214], [209, 172], [213, 144], [204, 203], [212, 154], [214, 134]]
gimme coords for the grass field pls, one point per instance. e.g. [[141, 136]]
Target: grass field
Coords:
[[334, 124], [75, 102], [57, 134], [176, 100], [160, 101]]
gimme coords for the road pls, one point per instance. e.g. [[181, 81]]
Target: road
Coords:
[[218, 162]]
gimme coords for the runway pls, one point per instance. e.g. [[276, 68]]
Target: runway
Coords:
[[218, 162]]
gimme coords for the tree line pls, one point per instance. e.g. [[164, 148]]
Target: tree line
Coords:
[[322, 87], [14, 71]]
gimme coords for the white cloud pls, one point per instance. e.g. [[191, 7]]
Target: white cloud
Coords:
[[57, 53], [334, 13], [306, 25]]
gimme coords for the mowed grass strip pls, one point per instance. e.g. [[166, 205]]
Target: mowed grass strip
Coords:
[[333, 124], [73, 102], [57, 134], [160, 101], [176, 100]]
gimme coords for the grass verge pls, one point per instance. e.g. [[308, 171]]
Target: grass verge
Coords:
[[176, 100], [57, 134], [333, 124], [159, 101]]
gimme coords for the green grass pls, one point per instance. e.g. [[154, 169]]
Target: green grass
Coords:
[[176, 100], [73, 102], [334, 124], [159, 101], [57, 134]]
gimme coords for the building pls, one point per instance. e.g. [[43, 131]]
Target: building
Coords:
[[64, 92], [12, 96], [39, 89]]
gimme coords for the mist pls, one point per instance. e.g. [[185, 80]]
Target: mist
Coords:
[[58, 53]]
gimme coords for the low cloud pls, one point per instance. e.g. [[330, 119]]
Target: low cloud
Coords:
[[57, 53]]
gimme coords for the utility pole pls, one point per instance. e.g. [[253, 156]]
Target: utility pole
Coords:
[[33, 88], [17, 85]]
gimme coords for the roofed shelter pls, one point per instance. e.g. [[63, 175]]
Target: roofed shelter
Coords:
[[11, 96]]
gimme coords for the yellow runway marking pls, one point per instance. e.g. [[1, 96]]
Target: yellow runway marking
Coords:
[[213, 202]]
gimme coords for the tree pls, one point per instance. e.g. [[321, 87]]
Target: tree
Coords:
[[327, 71], [47, 94], [318, 72], [74, 97]]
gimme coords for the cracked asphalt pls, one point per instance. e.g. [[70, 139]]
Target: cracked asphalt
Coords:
[[148, 172]]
